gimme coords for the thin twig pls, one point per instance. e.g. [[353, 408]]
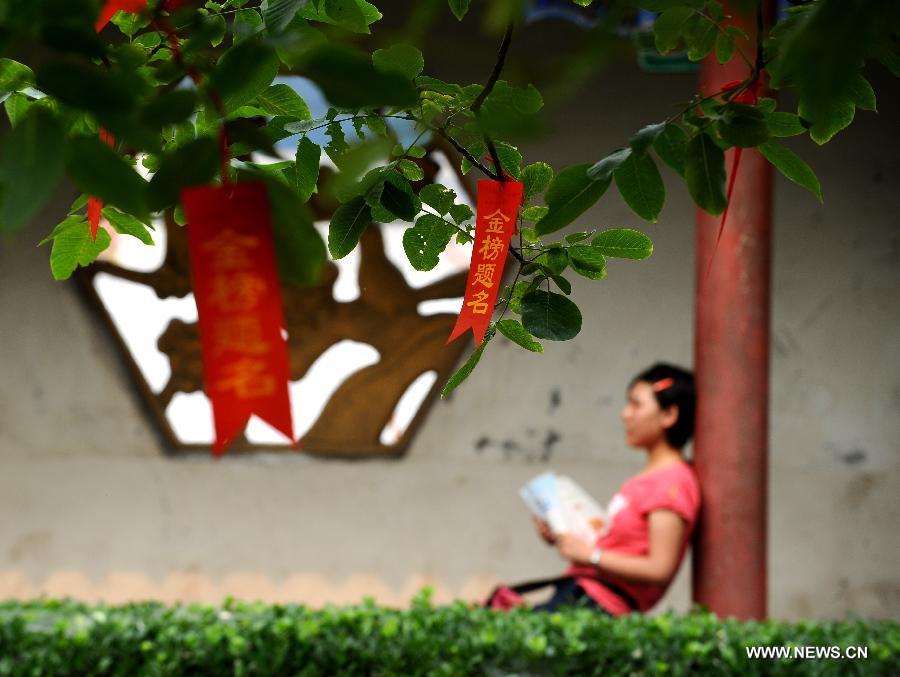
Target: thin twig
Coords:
[[495, 158], [485, 92], [760, 29], [517, 255], [498, 67], [466, 154]]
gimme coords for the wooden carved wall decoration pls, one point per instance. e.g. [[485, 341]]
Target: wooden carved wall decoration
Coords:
[[386, 316]]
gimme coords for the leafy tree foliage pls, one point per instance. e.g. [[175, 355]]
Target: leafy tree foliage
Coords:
[[170, 78]]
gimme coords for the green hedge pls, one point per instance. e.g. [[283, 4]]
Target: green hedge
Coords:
[[71, 638]]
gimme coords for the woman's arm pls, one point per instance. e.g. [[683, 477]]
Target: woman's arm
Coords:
[[666, 531]]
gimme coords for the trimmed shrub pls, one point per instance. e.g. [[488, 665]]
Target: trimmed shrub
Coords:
[[51, 637]]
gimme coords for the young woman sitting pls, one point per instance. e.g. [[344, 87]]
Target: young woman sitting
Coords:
[[650, 519]]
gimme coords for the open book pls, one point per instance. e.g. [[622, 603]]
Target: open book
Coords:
[[564, 505]]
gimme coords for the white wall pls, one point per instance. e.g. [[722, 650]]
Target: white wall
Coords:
[[89, 506]]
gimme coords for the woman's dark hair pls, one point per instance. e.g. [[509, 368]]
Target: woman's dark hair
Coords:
[[673, 386]]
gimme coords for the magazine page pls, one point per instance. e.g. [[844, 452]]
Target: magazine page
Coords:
[[583, 515], [540, 495], [564, 505]]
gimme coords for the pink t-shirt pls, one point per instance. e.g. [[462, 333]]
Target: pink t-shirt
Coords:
[[627, 532]]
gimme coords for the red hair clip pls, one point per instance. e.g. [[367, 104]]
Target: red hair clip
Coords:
[[662, 384]]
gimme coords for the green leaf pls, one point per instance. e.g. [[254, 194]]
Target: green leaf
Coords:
[[792, 167], [306, 172], [403, 59], [828, 118], [337, 144], [700, 37], [586, 272], [766, 105], [280, 99], [14, 76], [347, 226], [280, 12], [398, 202], [298, 246], [459, 8], [124, 224], [671, 146], [348, 79], [641, 186], [623, 243], [818, 52], [743, 125], [217, 27], [73, 247], [78, 204], [536, 178], [643, 140], [510, 158], [516, 333], [347, 14], [87, 87], [438, 197], [98, 170], [464, 371], [461, 213], [150, 40], [129, 23], [704, 171], [512, 295], [476, 150], [534, 213], [16, 106], [573, 238], [550, 315], [508, 110], [570, 194], [564, 285], [424, 242], [554, 260], [782, 124], [724, 47], [603, 170], [587, 257], [244, 72], [246, 23], [31, 166], [169, 108], [667, 29], [194, 163], [863, 94], [316, 11], [411, 170]]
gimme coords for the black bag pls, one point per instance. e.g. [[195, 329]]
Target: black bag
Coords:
[[505, 597]]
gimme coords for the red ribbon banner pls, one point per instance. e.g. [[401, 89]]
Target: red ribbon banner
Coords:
[[95, 204], [748, 96], [495, 222], [245, 359]]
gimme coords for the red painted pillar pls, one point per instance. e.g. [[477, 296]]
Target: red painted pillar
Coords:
[[731, 360]]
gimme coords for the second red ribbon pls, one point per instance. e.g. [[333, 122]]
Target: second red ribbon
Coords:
[[495, 223]]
